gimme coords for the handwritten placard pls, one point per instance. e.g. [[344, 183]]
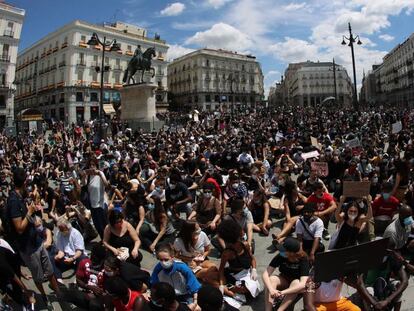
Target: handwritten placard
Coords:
[[353, 143], [356, 189], [321, 168], [315, 143]]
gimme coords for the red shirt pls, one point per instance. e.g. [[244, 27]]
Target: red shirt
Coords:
[[119, 306], [88, 275], [321, 203], [380, 207]]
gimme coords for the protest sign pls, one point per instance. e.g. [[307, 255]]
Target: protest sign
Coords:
[[321, 168], [353, 143], [386, 145], [396, 127], [356, 189], [310, 155], [315, 143]]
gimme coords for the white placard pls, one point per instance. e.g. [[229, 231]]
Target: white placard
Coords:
[[310, 155], [396, 127]]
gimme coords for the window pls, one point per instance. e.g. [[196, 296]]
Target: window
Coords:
[[129, 48], [83, 39], [62, 98], [208, 98], [118, 63], [5, 50], [106, 60], [3, 79], [2, 101], [94, 97], [94, 76], [207, 63], [57, 44], [80, 75], [65, 40], [216, 98], [81, 58], [117, 77], [79, 96]]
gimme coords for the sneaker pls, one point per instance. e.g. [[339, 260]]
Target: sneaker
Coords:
[[325, 235]]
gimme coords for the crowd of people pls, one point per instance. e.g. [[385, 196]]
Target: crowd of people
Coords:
[[196, 195]]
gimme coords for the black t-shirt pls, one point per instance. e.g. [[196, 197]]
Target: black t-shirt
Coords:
[[180, 192], [8, 270], [134, 276], [29, 241], [181, 307], [291, 270]]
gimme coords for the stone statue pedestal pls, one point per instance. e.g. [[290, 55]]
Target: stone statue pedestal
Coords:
[[138, 106]]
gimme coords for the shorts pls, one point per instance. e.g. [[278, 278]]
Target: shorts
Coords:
[[39, 264], [341, 305]]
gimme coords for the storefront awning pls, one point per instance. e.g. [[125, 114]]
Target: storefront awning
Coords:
[[109, 109], [30, 114]]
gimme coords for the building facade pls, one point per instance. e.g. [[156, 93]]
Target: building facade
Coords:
[[11, 22], [395, 76], [310, 83], [207, 79], [60, 74]]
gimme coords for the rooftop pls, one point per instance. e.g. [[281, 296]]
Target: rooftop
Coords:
[[10, 8]]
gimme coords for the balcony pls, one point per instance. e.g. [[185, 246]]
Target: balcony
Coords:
[[117, 85], [83, 44], [129, 53], [64, 45], [53, 67], [5, 58], [60, 84], [62, 64], [55, 49], [98, 47], [107, 85], [95, 84], [8, 33], [118, 67], [81, 63]]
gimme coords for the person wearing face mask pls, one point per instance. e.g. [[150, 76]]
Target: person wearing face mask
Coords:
[[351, 221], [157, 228], [177, 274], [293, 264], [325, 206], [178, 196], [384, 207], [259, 206], [364, 167], [309, 229], [399, 230], [158, 191], [207, 210], [375, 187], [70, 247]]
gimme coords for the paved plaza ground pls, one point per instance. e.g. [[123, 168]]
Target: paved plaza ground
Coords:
[[264, 254]]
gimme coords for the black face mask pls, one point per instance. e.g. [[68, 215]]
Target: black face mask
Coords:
[[307, 218]]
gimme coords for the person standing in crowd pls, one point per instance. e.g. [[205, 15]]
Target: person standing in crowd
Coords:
[[96, 183], [20, 214]]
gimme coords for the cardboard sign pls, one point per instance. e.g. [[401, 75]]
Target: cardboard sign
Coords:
[[386, 145], [396, 127], [315, 143], [353, 143], [321, 168], [310, 155], [356, 189]]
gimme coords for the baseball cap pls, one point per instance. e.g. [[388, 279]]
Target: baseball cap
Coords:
[[290, 244]]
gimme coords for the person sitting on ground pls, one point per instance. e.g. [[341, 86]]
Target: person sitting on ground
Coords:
[[293, 202], [164, 298], [309, 229], [70, 247], [351, 221], [259, 206], [294, 268], [121, 238], [192, 246], [237, 264], [123, 298], [384, 207], [325, 206], [177, 274], [207, 210]]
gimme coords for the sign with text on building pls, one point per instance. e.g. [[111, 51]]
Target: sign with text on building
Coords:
[[321, 168], [356, 189]]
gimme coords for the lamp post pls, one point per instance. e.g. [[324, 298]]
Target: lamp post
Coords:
[[113, 47], [231, 79], [334, 69], [352, 39]]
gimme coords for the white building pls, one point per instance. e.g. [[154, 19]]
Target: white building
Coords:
[[57, 75], [312, 82], [11, 22], [209, 78]]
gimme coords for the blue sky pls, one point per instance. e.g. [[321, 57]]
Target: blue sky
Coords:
[[276, 31]]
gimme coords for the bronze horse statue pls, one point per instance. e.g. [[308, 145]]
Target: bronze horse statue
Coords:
[[142, 63]]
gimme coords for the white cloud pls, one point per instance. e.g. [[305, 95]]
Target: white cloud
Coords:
[[294, 50], [217, 3], [193, 25], [176, 51], [173, 9], [222, 36], [294, 6], [386, 37]]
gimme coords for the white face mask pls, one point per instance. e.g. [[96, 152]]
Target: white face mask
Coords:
[[166, 264], [352, 217], [235, 185], [109, 273], [208, 195]]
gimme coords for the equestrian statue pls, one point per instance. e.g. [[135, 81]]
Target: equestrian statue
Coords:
[[140, 61]]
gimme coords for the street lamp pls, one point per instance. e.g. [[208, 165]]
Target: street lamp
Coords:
[[231, 79], [352, 39], [334, 69], [113, 47]]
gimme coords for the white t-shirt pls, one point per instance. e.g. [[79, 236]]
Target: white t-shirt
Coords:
[[159, 195], [202, 242], [96, 190], [329, 292], [316, 228]]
